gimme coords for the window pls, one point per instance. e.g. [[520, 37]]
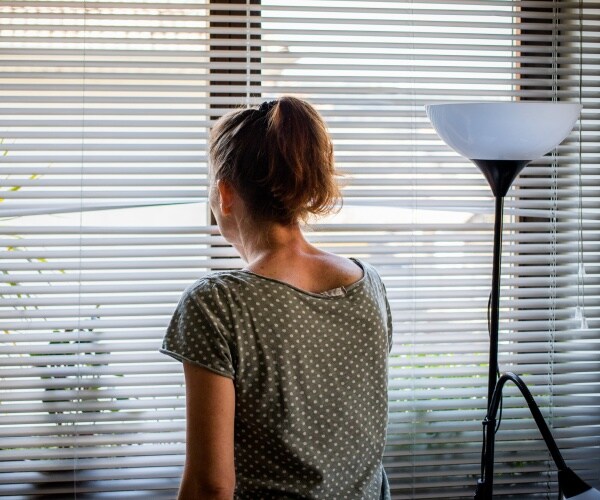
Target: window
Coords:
[[105, 112]]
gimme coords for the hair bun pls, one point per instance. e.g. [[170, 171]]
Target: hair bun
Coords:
[[266, 106]]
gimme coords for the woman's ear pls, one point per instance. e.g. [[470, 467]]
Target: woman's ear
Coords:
[[226, 196]]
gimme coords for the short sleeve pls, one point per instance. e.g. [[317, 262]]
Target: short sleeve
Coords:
[[390, 328], [389, 324], [199, 330], [388, 311]]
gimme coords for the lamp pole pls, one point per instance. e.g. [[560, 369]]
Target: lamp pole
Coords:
[[495, 299], [500, 174], [489, 423]]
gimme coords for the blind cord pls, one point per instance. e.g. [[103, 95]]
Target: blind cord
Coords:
[[414, 247], [248, 49], [78, 400], [553, 226], [581, 263]]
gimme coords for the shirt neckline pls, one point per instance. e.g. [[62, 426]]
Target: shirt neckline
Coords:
[[347, 289]]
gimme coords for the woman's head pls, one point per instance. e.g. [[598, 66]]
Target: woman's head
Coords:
[[279, 160]]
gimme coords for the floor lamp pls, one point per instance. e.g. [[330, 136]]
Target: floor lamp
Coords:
[[501, 138]]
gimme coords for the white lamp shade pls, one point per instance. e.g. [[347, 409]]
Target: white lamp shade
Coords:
[[503, 130]]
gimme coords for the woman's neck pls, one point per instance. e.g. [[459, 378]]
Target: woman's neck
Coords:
[[276, 242]]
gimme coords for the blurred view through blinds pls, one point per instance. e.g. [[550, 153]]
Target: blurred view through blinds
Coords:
[[105, 109]]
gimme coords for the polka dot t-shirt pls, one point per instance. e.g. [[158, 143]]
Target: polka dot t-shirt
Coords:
[[310, 372]]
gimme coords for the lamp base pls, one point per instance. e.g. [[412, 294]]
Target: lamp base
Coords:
[[591, 494], [570, 484], [500, 174], [574, 488]]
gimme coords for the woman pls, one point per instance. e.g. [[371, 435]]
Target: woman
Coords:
[[285, 361]]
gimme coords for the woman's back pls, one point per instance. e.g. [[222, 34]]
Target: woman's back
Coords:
[[310, 373]]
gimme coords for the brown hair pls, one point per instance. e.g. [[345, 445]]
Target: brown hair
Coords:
[[279, 158]]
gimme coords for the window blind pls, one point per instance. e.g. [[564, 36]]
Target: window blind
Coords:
[[106, 108]]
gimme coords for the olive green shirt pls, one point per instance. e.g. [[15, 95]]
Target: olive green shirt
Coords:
[[310, 372]]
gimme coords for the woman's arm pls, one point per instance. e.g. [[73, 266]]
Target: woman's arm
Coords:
[[209, 472]]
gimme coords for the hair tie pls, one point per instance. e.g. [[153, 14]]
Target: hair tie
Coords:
[[266, 106]]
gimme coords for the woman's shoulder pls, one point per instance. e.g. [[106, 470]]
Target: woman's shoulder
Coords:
[[372, 274], [369, 269], [217, 284]]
